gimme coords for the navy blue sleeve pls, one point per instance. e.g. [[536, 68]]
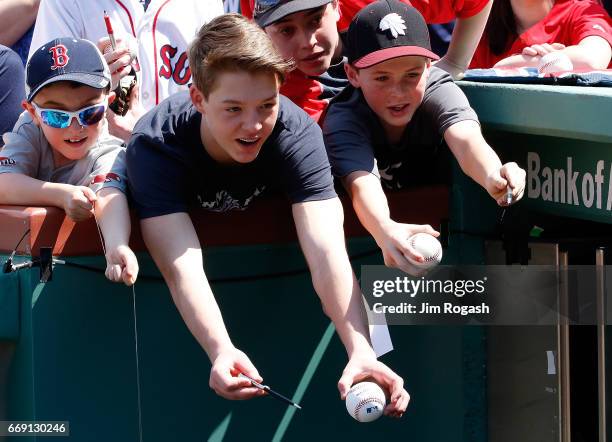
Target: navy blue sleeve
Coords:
[[305, 170], [156, 180], [12, 89], [348, 136], [444, 102]]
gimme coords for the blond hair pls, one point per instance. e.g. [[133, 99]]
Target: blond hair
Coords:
[[231, 42]]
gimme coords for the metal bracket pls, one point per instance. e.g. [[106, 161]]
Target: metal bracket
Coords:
[[46, 262]]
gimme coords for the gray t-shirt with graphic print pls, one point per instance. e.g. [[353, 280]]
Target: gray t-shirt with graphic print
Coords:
[[27, 151]]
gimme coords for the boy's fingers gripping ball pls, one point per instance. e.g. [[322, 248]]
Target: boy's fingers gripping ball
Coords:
[[429, 247], [555, 62], [365, 401]]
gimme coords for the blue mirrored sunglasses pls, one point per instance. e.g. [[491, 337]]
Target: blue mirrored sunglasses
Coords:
[[60, 119], [262, 6]]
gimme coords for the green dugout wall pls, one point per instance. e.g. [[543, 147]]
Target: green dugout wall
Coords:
[[562, 136], [69, 351]]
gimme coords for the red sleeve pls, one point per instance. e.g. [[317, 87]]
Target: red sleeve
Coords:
[[434, 11], [588, 19], [348, 9], [304, 92], [246, 8], [470, 8]]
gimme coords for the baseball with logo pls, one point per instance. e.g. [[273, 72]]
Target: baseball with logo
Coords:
[[365, 401]]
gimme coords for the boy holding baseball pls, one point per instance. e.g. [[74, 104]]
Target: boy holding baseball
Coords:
[[399, 107], [232, 138], [60, 152]]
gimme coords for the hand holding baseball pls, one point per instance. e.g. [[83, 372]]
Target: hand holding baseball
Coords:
[[397, 251], [362, 368], [509, 175]]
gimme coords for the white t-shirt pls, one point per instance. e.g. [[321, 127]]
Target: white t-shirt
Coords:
[[162, 34]]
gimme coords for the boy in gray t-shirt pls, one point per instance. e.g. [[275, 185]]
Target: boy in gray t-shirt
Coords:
[[397, 107], [60, 152]]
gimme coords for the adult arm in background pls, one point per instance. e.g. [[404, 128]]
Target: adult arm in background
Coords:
[[175, 248], [17, 17], [120, 64], [372, 209], [480, 162], [121, 126], [592, 52], [464, 40], [319, 225]]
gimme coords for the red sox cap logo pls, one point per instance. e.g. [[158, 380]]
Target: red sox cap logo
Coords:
[[6, 161], [106, 178], [60, 56]]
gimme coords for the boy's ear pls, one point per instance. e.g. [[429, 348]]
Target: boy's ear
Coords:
[[198, 99], [111, 97], [30, 109], [352, 75]]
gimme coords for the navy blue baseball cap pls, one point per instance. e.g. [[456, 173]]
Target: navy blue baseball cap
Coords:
[[66, 59]]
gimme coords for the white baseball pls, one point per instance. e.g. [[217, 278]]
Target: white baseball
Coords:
[[365, 401], [555, 62], [429, 247]]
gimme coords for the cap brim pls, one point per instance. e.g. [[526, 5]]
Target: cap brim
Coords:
[[388, 53], [87, 79], [285, 9]]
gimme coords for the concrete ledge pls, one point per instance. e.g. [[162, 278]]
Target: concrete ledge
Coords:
[[267, 221], [560, 111]]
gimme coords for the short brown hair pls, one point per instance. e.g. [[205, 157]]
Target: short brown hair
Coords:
[[230, 42]]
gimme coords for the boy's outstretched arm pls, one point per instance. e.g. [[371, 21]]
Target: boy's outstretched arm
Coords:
[[319, 227], [175, 248], [113, 216], [480, 162], [372, 209], [23, 190]]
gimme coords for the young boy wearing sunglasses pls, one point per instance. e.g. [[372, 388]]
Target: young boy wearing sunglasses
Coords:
[[60, 153]]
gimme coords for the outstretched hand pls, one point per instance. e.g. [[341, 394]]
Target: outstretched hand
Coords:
[[224, 378], [509, 175]]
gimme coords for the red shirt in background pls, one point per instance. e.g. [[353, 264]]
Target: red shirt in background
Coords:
[[434, 11], [568, 22], [310, 94]]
